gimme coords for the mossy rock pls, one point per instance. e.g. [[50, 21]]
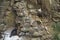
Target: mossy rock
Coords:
[[56, 26], [59, 36], [9, 19]]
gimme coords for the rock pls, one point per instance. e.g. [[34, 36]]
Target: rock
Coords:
[[26, 38], [20, 14], [27, 20], [14, 38], [21, 34], [59, 35], [9, 19], [33, 11], [37, 34], [40, 10], [27, 29], [34, 1], [30, 6], [35, 38], [29, 14]]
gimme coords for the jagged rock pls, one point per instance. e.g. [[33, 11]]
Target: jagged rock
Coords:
[[27, 15]]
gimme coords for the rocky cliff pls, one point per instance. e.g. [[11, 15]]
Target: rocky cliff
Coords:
[[34, 18]]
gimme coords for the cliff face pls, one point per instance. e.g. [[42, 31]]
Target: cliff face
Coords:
[[35, 17]]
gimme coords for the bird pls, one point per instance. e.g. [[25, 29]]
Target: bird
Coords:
[[13, 32], [1, 35]]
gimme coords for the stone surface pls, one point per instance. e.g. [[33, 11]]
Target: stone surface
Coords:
[[26, 14]]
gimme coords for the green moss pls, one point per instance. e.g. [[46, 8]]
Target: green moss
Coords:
[[56, 29], [56, 26], [55, 37], [10, 19]]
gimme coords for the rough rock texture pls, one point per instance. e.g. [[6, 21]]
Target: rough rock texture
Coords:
[[34, 16]]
